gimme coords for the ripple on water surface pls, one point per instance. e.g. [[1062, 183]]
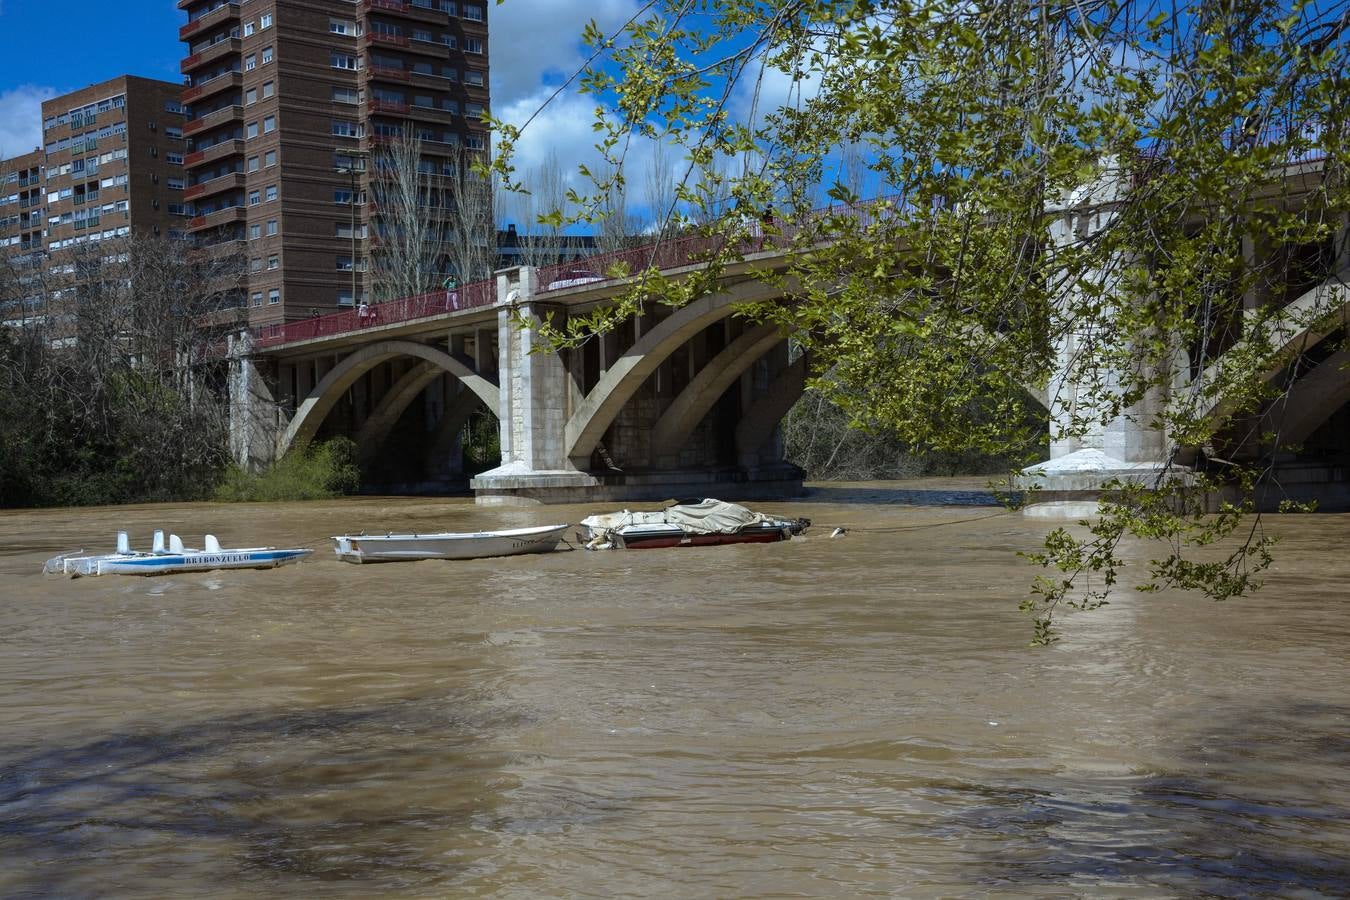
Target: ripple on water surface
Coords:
[[823, 717]]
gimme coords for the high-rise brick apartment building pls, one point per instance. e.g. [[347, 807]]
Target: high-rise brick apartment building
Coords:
[[289, 102], [110, 166]]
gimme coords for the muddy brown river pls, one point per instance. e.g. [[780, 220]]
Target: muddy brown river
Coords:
[[824, 717]]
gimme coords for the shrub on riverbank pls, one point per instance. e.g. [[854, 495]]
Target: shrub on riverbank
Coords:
[[321, 471]]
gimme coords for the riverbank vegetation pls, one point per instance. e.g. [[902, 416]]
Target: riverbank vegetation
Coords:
[[323, 470], [106, 393]]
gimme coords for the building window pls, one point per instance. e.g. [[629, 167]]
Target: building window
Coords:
[[254, 198], [256, 297], [269, 159], [267, 54], [271, 227], [343, 128], [265, 20], [250, 96], [421, 34], [251, 130], [345, 95], [269, 88], [271, 192], [473, 110], [269, 124], [255, 265], [274, 295], [174, 184], [473, 45], [343, 60], [473, 77], [250, 62], [248, 29], [174, 159], [344, 263], [340, 26], [273, 261], [473, 13], [253, 163], [254, 232]]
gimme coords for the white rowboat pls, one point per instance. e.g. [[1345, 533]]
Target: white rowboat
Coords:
[[364, 548]]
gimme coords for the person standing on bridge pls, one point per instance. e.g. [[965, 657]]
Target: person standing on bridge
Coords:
[[363, 313]]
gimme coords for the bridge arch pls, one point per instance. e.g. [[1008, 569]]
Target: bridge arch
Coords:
[[315, 408], [672, 430], [623, 379], [1302, 324]]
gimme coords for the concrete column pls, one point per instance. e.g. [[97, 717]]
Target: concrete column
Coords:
[[1128, 446], [253, 407], [535, 385]]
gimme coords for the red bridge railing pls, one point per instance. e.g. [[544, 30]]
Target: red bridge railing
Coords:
[[421, 306], [762, 234]]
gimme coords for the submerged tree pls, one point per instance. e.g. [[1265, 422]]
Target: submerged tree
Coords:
[[1085, 201]]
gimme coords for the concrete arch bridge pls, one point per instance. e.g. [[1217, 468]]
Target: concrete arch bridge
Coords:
[[680, 402]]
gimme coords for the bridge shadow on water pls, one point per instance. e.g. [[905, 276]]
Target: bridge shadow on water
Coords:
[[901, 496], [364, 796], [1260, 806]]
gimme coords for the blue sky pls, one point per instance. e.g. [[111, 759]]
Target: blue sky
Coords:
[[535, 45]]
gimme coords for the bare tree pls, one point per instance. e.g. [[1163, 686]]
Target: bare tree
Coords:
[[409, 245], [470, 236], [538, 212], [661, 198], [617, 227]]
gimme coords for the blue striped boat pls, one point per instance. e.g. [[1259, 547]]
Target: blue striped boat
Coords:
[[165, 560]]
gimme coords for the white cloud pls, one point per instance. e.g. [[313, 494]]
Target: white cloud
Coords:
[[538, 42], [21, 118]]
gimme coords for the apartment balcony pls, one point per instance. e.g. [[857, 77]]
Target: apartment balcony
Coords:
[[387, 73], [217, 51], [213, 119], [407, 10], [220, 151], [217, 250], [220, 217], [214, 86], [386, 106], [228, 12], [214, 186], [429, 48], [432, 114], [380, 39]]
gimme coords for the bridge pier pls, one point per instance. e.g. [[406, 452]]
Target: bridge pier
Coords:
[[1088, 449], [255, 415], [534, 404], [646, 412]]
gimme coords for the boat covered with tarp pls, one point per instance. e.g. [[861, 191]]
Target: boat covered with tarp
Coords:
[[692, 523]]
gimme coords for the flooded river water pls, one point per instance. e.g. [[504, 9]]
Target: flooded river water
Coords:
[[824, 717]]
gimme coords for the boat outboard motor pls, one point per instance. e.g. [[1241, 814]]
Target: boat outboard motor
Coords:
[[212, 545], [123, 542], [175, 544], [158, 545]]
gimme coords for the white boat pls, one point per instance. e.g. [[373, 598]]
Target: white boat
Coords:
[[700, 523], [164, 560], [363, 548]]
